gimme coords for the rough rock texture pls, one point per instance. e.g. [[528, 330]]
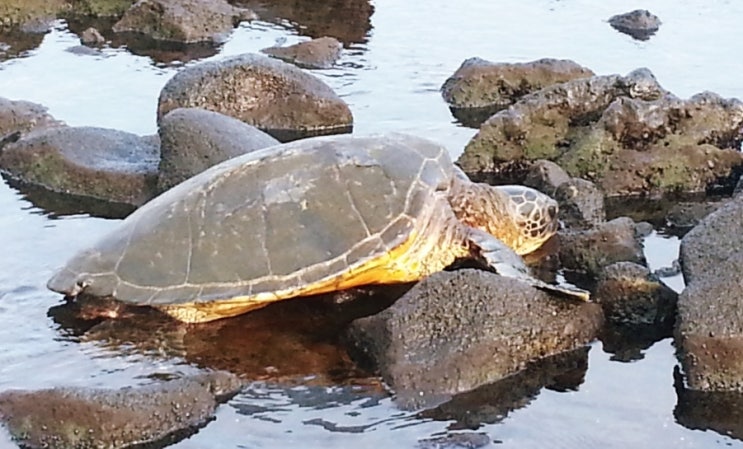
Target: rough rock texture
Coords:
[[193, 140], [710, 327], [479, 88], [545, 176], [23, 117], [640, 23], [185, 21], [320, 53], [720, 411], [24, 13], [626, 134], [64, 418], [101, 8], [581, 204], [455, 331], [271, 95], [461, 440], [630, 295], [95, 162], [685, 214], [91, 36], [591, 250]]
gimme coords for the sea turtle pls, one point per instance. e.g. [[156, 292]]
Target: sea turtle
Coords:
[[312, 216]]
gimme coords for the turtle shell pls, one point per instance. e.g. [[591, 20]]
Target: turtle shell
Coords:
[[275, 221]]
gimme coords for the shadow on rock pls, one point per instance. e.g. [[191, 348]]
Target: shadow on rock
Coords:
[[281, 342], [492, 403], [349, 21], [719, 411]]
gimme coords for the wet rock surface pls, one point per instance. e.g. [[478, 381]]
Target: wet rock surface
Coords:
[[80, 418], [626, 134], [640, 23], [479, 88], [95, 162], [581, 204], [185, 21], [193, 140], [455, 331], [631, 296], [460, 440], [589, 251], [709, 331], [271, 95], [320, 53], [719, 411]]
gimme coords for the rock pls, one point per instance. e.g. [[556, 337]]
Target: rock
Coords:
[[480, 88], [591, 250], [709, 333], [92, 37], [720, 411], [717, 238], [271, 95], [195, 139], [460, 440], [545, 176], [455, 331], [62, 418], [320, 53], [689, 214], [581, 204], [94, 162], [644, 229], [626, 134], [186, 21], [23, 117], [640, 24], [631, 296], [738, 187]]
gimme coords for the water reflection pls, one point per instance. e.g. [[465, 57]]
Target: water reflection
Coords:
[[349, 21], [16, 43]]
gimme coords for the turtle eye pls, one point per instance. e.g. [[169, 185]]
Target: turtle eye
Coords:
[[552, 212]]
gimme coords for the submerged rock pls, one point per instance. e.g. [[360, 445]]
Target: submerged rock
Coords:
[[709, 333], [193, 140], [185, 21], [320, 53], [479, 88], [589, 251], [626, 134], [95, 162], [455, 331], [640, 23], [271, 95], [63, 418]]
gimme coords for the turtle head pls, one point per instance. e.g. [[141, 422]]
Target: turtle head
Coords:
[[534, 215]]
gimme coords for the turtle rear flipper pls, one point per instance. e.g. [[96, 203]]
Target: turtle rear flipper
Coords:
[[501, 258]]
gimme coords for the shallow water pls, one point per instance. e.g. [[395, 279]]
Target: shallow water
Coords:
[[390, 75]]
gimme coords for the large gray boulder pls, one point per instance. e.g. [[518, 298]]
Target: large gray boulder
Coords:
[[193, 139], [455, 331], [63, 418], [100, 163], [271, 95], [709, 332], [626, 134], [186, 21]]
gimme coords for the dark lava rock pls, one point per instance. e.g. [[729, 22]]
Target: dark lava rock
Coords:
[[689, 214], [480, 88], [193, 140], [591, 250], [455, 331], [640, 24], [23, 117], [545, 176], [95, 162], [183, 20], [66, 418], [720, 411], [581, 204], [630, 295], [320, 53], [709, 332], [626, 134], [271, 95]]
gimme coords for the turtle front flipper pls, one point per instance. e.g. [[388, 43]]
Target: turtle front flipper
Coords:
[[501, 258]]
